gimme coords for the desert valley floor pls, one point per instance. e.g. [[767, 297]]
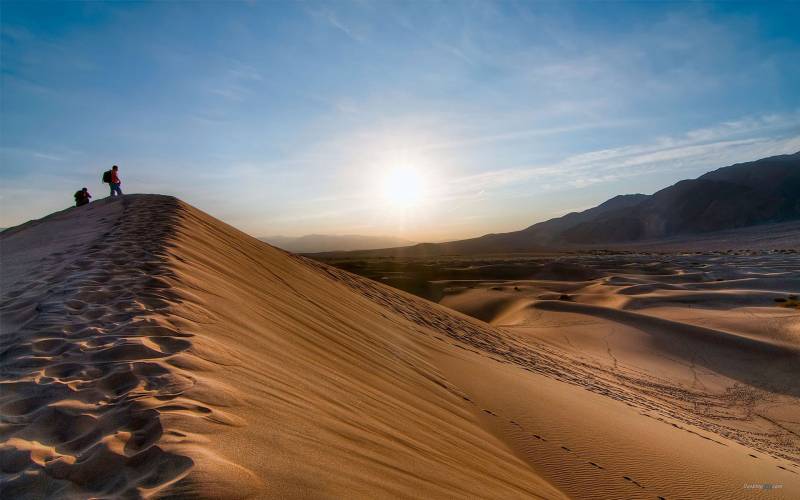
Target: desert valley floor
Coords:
[[150, 350]]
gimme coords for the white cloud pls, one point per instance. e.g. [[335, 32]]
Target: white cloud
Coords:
[[730, 142]]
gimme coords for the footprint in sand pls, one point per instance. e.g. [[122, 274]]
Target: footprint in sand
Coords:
[[53, 347], [83, 264], [787, 470], [16, 293], [632, 481], [88, 344], [75, 305], [94, 314]]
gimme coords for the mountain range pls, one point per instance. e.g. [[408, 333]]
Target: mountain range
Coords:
[[743, 195]]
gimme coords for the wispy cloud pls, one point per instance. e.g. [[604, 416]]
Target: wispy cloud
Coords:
[[513, 135], [747, 130], [46, 156], [36, 154], [723, 144], [237, 82], [332, 19]]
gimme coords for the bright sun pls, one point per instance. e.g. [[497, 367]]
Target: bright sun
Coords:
[[404, 188]]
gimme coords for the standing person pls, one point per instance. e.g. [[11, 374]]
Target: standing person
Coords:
[[112, 178], [82, 197]]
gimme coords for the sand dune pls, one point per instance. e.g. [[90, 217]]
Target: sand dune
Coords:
[[707, 348], [579, 397], [151, 350]]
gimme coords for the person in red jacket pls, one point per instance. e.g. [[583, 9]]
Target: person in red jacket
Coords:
[[115, 182]]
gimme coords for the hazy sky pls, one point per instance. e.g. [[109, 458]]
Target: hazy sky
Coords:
[[287, 118]]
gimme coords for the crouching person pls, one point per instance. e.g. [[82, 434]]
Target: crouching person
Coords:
[[82, 197]]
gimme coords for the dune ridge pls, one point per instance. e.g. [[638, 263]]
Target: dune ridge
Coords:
[[150, 350], [133, 364], [735, 342], [78, 333]]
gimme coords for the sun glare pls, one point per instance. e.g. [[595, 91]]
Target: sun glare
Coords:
[[404, 188]]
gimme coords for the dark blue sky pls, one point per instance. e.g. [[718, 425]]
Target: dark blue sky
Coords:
[[286, 118]]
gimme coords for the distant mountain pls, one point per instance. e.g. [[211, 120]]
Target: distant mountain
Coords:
[[742, 195], [312, 243], [550, 231], [746, 194]]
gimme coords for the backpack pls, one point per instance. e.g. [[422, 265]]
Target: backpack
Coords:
[[107, 176]]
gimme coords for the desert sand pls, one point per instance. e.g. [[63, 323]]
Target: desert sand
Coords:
[[150, 350]]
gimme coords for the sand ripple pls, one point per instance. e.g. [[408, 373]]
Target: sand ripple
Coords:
[[84, 374]]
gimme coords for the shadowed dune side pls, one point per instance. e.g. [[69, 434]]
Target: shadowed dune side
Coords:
[[485, 306], [768, 365], [759, 347], [786, 282], [152, 350], [82, 358]]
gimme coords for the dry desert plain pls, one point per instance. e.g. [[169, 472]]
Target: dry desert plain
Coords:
[[150, 350]]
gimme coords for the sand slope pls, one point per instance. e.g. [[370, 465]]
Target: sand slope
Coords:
[[706, 351], [151, 350]]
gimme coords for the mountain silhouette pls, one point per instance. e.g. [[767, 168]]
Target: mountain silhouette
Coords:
[[738, 196]]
